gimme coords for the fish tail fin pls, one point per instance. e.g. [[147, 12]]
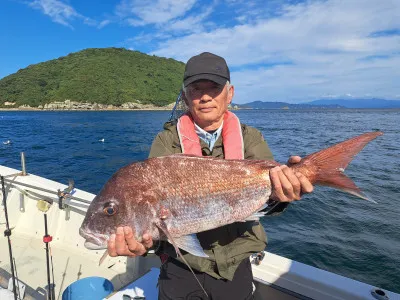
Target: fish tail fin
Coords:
[[326, 167]]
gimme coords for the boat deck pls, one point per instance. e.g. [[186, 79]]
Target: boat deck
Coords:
[[70, 265]]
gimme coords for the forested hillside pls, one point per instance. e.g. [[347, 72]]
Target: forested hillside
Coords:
[[107, 76]]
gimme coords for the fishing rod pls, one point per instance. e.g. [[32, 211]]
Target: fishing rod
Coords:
[[52, 275], [44, 206], [7, 233], [176, 107], [47, 239], [16, 276]]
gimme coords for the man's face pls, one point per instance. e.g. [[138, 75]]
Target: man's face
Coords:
[[208, 101]]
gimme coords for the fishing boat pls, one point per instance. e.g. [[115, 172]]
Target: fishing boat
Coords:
[[43, 255]]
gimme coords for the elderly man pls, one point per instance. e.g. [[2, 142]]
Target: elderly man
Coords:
[[209, 129]]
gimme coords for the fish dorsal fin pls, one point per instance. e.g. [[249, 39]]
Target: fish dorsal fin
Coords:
[[163, 227], [190, 243]]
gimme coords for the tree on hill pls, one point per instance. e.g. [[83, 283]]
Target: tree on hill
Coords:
[[108, 76]]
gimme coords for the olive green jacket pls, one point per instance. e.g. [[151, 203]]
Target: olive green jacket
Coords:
[[228, 245]]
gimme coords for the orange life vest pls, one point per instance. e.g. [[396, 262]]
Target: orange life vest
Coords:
[[232, 138]]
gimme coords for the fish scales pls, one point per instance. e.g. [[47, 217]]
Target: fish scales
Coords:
[[207, 203]]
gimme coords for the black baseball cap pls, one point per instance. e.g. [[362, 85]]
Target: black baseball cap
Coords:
[[206, 66]]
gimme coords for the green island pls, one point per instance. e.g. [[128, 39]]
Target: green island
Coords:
[[106, 78]]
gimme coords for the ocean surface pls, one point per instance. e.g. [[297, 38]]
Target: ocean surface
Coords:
[[328, 229]]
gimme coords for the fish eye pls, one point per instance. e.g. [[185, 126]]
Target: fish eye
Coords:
[[110, 209]]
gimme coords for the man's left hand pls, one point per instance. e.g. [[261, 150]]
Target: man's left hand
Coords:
[[287, 185]]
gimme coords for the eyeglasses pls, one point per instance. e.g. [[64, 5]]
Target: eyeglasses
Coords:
[[195, 92]]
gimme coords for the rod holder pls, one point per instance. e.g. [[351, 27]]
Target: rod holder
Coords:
[[23, 164], [67, 212], [21, 202]]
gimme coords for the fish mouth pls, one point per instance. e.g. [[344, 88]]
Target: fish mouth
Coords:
[[93, 241]]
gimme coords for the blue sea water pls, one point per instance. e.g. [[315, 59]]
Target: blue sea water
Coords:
[[327, 229]]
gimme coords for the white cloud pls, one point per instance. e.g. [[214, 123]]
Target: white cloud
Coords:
[[330, 47], [145, 38], [190, 24], [103, 23], [304, 82], [140, 13], [170, 26], [60, 12]]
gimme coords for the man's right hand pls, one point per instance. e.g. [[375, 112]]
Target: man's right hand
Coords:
[[123, 243], [288, 186]]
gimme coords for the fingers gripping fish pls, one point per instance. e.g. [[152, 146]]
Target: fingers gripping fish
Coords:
[[174, 197]]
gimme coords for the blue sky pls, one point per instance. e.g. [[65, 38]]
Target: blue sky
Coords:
[[277, 50]]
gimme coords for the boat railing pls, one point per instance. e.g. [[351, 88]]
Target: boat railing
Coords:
[[66, 200]]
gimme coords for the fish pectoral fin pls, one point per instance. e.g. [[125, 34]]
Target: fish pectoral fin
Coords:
[[190, 243]]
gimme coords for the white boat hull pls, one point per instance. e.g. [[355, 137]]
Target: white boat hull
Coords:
[[276, 277]]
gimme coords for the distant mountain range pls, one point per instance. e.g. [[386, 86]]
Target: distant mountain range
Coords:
[[325, 103]]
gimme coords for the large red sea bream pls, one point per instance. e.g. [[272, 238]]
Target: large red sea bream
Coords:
[[174, 197]]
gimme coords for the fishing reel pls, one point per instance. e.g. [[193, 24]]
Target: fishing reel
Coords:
[[65, 195], [258, 257]]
